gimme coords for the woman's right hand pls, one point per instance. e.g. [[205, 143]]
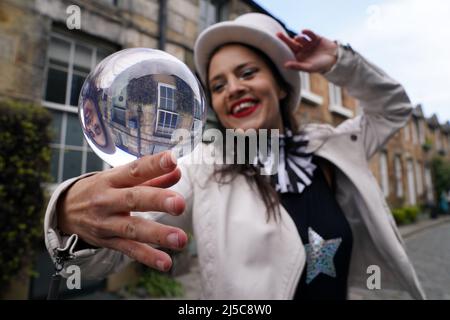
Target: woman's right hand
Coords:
[[97, 209]]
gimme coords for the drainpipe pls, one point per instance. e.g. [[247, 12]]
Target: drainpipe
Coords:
[[162, 24]]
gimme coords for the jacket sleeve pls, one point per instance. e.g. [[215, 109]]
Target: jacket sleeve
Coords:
[[385, 104], [99, 263]]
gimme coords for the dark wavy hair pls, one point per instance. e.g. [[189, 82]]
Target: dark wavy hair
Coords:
[[226, 173]]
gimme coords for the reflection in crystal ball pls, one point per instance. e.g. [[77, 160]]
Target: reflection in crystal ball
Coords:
[[138, 102]]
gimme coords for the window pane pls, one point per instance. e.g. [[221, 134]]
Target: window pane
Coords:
[[102, 54], [59, 50], [83, 57], [56, 125], [94, 163], [77, 83], [74, 135], [54, 164], [56, 86], [72, 164], [119, 116]]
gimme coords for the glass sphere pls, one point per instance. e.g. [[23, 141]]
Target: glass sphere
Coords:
[[139, 102]]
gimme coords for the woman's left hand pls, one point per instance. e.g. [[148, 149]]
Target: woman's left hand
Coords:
[[313, 53]]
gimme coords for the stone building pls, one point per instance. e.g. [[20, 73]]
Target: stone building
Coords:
[[44, 60]]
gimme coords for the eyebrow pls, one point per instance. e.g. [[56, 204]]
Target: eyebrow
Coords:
[[239, 67]]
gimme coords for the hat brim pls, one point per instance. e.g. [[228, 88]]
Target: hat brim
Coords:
[[233, 32]]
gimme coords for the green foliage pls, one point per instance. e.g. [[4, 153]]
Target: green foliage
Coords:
[[441, 174], [157, 284], [24, 166], [406, 214]]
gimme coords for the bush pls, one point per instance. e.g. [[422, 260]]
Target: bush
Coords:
[[406, 214], [157, 285], [441, 175], [411, 213], [24, 166], [399, 216]]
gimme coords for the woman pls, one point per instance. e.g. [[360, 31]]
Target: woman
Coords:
[[310, 233]]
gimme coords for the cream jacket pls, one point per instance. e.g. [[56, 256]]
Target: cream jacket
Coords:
[[241, 255]]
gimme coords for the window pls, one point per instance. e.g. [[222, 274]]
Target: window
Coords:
[[335, 95], [208, 14], [419, 179], [197, 123], [422, 131], [410, 177], [305, 81], [420, 137], [336, 105], [306, 92], [429, 184], [167, 117], [398, 176], [415, 135], [438, 140], [384, 173], [69, 61]]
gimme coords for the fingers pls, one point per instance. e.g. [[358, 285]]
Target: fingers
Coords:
[[291, 43], [143, 231], [310, 34], [301, 66], [141, 252], [164, 181], [142, 170], [142, 199]]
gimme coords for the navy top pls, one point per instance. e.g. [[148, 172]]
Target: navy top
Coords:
[[317, 208]]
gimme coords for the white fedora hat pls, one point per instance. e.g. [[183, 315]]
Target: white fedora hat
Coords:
[[256, 30]]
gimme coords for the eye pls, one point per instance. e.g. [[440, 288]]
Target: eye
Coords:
[[217, 87], [248, 73]]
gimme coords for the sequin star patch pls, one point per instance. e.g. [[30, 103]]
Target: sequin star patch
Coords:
[[319, 255]]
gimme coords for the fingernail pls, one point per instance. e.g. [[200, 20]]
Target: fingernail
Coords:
[[167, 160], [169, 204], [173, 239], [160, 265]]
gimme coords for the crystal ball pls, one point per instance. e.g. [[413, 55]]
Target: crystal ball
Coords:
[[140, 102]]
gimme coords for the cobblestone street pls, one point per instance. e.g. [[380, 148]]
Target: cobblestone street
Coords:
[[429, 251]]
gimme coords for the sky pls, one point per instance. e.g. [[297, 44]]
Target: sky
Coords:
[[408, 39]]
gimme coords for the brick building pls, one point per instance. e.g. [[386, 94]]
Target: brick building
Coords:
[[44, 61]]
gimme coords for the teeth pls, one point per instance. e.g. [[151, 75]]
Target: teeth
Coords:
[[242, 106]]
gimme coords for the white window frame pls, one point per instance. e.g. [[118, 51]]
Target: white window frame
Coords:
[[412, 199], [335, 103], [163, 110], [66, 108], [384, 174], [207, 14], [398, 176], [429, 185], [419, 180], [306, 93]]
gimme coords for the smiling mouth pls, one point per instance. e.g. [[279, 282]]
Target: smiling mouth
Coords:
[[244, 109]]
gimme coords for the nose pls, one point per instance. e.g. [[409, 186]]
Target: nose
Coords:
[[235, 88]]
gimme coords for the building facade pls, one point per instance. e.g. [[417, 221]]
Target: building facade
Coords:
[[44, 61]]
